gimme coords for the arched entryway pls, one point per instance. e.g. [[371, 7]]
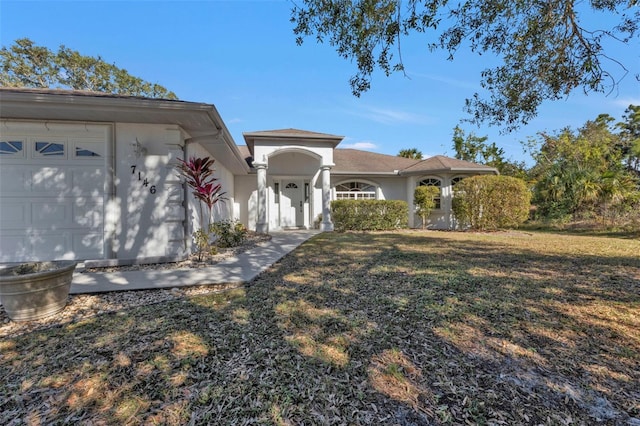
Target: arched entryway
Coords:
[[293, 181], [293, 169], [290, 176]]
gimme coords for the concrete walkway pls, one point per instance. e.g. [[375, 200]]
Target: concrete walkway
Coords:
[[239, 269]]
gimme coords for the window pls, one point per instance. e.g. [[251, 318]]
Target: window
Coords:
[[276, 191], [455, 180], [355, 191], [81, 152], [50, 149], [10, 147], [291, 185], [433, 182]]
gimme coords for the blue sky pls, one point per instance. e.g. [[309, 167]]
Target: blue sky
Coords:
[[242, 57]]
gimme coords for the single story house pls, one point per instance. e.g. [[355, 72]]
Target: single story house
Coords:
[[92, 176]]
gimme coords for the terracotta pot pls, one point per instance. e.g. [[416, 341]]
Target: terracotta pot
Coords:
[[33, 290]]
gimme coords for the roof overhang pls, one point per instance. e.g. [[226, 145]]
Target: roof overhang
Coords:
[[291, 138], [200, 121]]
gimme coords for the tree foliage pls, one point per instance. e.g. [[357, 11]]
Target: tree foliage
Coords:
[[490, 202], [587, 173], [477, 150], [629, 143], [547, 48], [24, 64], [424, 198], [412, 153]]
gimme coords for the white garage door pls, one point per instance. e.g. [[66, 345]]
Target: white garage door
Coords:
[[52, 180]]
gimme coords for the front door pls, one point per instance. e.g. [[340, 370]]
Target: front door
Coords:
[[292, 206]]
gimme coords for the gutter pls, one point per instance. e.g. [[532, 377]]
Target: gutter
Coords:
[[344, 173], [226, 136], [448, 170]]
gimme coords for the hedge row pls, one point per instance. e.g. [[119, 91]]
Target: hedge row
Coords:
[[491, 202], [369, 215]]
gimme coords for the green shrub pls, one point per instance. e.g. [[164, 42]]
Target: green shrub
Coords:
[[424, 198], [228, 233], [491, 202], [202, 238], [369, 215]]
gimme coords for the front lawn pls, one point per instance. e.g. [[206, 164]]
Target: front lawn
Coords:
[[407, 328]]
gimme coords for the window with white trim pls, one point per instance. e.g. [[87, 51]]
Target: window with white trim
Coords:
[[83, 152], [8, 147], [433, 182], [355, 191], [49, 149]]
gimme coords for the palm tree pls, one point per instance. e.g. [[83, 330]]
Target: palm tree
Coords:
[[412, 153]]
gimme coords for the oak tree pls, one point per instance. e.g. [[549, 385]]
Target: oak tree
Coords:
[[25, 64], [546, 48]]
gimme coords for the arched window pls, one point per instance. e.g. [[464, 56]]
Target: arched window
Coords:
[[432, 182], [455, 180], [355, 191]]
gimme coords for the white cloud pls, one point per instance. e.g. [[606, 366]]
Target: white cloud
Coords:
[[625, 102], [360, 145], [391, 116], [234, 120]]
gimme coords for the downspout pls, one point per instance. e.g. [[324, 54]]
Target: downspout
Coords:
[[112, 208], [185, 204]]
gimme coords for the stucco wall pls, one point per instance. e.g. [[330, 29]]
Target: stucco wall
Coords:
[[268, 149], [147, 214], [246, 198], [389, 188], [293, 164]]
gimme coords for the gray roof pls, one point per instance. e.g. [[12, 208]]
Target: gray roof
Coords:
[[294, 133], [294, 136], [353, 161], [357, 161], [440, 163]]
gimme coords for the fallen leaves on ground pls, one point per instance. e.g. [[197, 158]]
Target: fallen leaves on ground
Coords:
[[407, 328]]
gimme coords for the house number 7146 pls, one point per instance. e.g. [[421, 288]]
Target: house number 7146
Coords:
[[144, 180]]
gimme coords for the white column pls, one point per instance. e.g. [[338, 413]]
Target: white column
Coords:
[[327, 224], [445, 201], [262, 226]]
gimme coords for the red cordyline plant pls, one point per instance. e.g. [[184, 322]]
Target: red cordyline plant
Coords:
[[198, 173]]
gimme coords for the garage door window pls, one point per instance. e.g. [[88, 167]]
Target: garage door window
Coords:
[[50, 149], [10, 148], [81, 152]]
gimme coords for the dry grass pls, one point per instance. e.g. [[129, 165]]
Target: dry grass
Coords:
[[404, 328]]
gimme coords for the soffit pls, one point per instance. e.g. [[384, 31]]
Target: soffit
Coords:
[[201, 121]]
